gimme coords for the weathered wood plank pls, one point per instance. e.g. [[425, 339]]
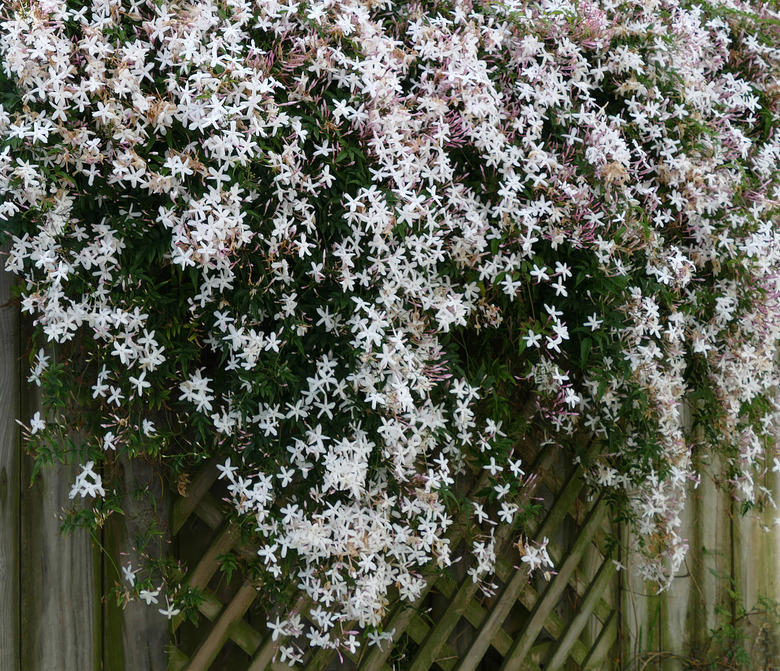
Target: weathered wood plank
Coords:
[[264, 656], [213, 643], [545, 605], [208, 564], [438, 637], [509, 594], [136, 636], [680, 620], [9, 478], [639, 610], [186, 505], [577, 624], [603, 643], [61, 621], [756, 571]]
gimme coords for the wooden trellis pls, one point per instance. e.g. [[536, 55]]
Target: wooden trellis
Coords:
[[570, 622], [54, 613]]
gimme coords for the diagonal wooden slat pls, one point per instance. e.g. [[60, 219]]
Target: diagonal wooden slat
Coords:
[[186, 505], [549, 599], [247, 638], [579, 585], [554, 625], [265, 653], [375, 659], [177, 660], [576, 625], [538, 652], [436, 649], [399, 619], [476, 614], [512, 589], [603, 643], [219, 634], [402, 616], [419, 630], [438, 637], [208, 563], [458, 607], [210, 511], [528, 597]]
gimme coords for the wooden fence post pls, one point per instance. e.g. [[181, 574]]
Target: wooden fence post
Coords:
[[49, 607], [136, 638], [9, 479], [61, 608]]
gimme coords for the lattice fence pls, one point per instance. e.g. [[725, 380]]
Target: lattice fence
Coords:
[[570, 622]]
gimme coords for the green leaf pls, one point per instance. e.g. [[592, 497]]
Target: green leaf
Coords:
[[227, 564], [585, 346]]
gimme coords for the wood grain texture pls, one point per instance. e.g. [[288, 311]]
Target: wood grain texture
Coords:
[[9, 479], [566, 642], [136, 637], [61, 627], [729, 555], [219, 634], [60, 602], [544, 607], [756, 570]]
